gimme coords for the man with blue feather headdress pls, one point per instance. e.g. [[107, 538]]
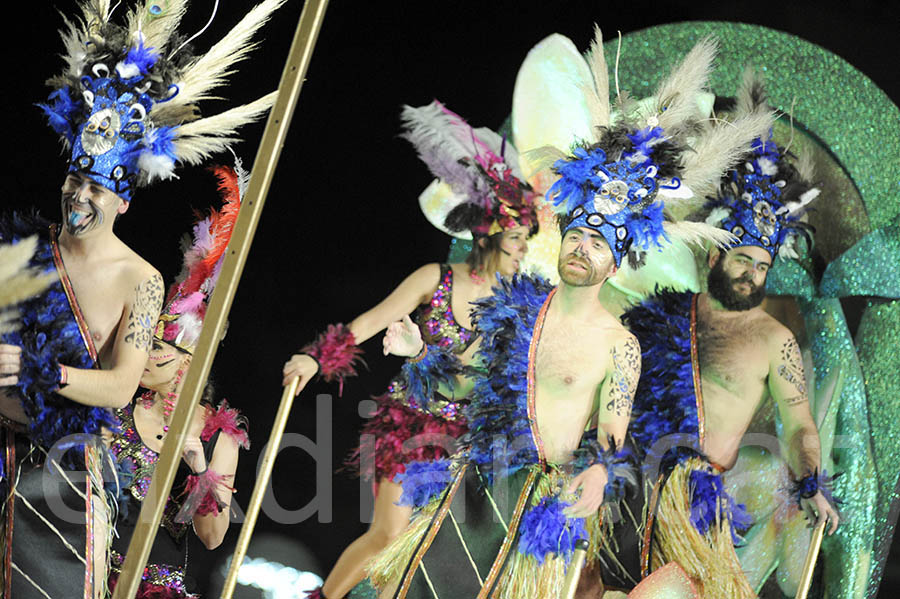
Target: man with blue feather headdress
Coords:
[[126, 106], [711, 360]]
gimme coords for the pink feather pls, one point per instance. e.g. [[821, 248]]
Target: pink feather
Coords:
[[229, 421]]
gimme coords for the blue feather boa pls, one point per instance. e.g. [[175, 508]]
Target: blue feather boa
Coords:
[[49, 336], [665, 424], [499, 434], [545, 530], [423, 481], [422, 378]]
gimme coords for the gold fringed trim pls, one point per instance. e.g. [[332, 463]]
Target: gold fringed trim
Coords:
[[695, 372], [496, 567], [708, 559]]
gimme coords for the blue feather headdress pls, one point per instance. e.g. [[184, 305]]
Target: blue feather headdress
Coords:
[[649, 162], [126, 103], [762, 199], [611, 187]]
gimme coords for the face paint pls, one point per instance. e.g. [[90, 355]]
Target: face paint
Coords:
[[83, 206], [588, 260]]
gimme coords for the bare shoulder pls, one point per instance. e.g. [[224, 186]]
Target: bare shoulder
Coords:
[[617, 335], [775, 333], [624, 343], [426, 278]]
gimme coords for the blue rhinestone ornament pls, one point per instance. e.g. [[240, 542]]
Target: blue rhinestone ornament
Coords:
[[613, 197], [107, 145], [753, 197]]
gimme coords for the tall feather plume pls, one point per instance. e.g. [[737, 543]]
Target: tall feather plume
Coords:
[[751, 94], [18, 282], [698, 233], [73, 37], [443, 141], [76, 33], [200, 139], [156, 30], [720, 149], [677, 93], [542, 158], [805, 165], [211, 70], [597, 96]]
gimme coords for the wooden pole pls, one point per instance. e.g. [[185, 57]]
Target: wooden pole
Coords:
[[815, 543], [259, 490], [573, 575], [214, 324]]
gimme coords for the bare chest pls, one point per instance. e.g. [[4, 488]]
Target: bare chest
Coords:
[[101, 302], [732, 356], [568, 360]]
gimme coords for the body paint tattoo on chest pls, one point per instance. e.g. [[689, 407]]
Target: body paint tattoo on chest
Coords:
[[791, 367], [144, 312], [626, 365]]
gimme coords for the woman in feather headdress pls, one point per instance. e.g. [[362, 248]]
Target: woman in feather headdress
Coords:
[[482, 196], [202, 492]]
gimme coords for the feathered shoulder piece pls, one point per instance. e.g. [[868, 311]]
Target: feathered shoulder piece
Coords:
[[762, 199], [499, 402], [228, 420], [490, 194], [647, 158], [204, 251], [664, 402], [127, 103]]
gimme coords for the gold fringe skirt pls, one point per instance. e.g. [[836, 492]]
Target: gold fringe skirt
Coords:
[[709, 559]]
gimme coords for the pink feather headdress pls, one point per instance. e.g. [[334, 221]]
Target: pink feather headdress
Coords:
[[182, 317]]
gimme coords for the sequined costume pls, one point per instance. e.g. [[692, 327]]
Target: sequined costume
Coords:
[[690, 515], [399, 416], [165, 573], [492, 522], [41, 552]]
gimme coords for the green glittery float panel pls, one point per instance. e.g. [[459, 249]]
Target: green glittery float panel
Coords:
[[848, 553], [877, 341]]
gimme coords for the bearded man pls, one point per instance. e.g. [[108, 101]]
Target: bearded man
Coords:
[[710, 361]]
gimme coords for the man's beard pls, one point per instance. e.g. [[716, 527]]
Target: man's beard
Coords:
[[721, 287], [589, 277]]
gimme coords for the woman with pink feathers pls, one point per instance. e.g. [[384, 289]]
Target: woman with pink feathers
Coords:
[[487, 201], [201, 495]]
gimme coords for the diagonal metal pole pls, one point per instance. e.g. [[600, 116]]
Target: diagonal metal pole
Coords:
[[259, 490], [251, 208], [812, 554]]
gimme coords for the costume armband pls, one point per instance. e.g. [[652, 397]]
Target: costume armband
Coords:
[[336, 353], [621, 470], [228, 420], [201, 499], [809, 485], [424, 374]]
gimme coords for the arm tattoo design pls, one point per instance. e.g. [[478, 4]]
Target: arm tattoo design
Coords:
[[144, 312], [626, 362], [791, 367], [794, 401]]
